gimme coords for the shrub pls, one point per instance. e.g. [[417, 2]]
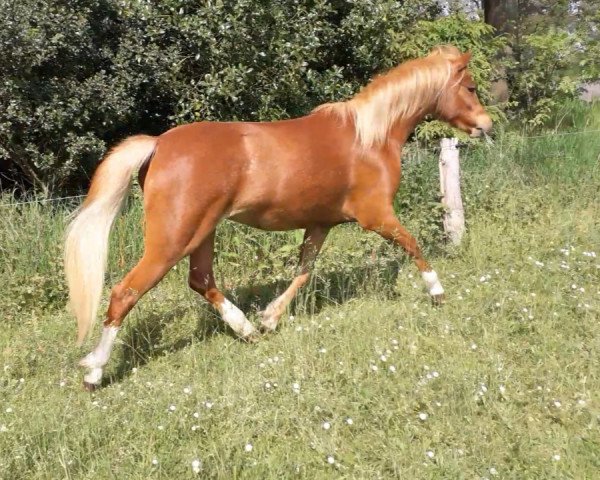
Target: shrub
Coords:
[[80, 75]]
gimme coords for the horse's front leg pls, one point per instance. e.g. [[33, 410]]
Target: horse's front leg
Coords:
[[387, 225], [313, 241]]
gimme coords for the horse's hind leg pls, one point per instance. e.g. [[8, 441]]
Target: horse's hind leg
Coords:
[[202, 280], [313, 241], [146, 274]]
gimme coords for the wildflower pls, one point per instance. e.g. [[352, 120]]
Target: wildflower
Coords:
[[172, 408], [330, 459], [296, 387], [383, 358], [326, 425], [392, 368], [556, 457], [423, 416], [196, 465], [196, 415], [493, 471], [155, 461], [374, 368], [248, 447], [430, 453], [349, 421], [187, 390], [322, 350]]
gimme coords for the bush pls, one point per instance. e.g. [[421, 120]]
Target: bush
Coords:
[[80, 75]]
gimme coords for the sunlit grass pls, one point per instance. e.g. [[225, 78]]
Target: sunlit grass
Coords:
[[365, 379]]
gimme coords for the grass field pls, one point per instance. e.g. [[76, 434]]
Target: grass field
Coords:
[[365, 379]]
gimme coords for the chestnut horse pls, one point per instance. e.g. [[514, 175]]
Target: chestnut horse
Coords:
[[341, 163]]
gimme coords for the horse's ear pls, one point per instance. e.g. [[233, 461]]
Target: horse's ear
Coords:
[[462, 62]]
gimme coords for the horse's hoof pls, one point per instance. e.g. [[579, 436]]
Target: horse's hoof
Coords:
[[254, 337], [89, 387], [265, 328], [438, 299]]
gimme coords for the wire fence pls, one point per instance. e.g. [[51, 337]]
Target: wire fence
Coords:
[[435, 149]]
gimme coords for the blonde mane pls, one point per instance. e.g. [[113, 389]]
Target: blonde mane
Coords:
[[401, 92]]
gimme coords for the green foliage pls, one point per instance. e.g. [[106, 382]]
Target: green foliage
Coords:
[[553, 50], [79, 76], [544, 78]]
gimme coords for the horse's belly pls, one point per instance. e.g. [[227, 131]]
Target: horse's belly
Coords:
[[277, 218]]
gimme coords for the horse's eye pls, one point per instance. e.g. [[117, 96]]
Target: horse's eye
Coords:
[[472, 89]]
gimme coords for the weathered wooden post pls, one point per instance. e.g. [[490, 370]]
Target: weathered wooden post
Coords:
[[454, 217]]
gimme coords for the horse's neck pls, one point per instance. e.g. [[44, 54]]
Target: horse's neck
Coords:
[[402, 129]]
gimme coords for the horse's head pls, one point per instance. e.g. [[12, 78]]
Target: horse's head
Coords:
[[458, 103]]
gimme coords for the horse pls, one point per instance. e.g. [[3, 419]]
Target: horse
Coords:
[[340, 163]]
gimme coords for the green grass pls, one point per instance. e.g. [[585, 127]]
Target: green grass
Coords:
[[496, 383]]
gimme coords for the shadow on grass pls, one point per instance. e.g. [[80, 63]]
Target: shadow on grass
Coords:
[[144, 341]]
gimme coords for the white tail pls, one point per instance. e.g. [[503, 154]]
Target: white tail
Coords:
[[86, 245]]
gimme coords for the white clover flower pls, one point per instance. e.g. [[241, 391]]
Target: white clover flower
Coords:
[[374, 368], [326, 425], [172, 408], [248, 448], [187, 390], [430, 453], [349, 421], [493, 471], [392, 368], [155, 461], [322, 350], [330, 459], [196, 465], [383, 358], [557, 404], [423, 416], [556, 457]]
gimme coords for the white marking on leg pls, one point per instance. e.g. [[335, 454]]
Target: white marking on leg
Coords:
[[273, 311], [94, 376], [433, 284], [236, 319], [96, 359]]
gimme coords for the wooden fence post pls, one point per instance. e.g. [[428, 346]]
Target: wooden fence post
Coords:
[[454, 217]]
